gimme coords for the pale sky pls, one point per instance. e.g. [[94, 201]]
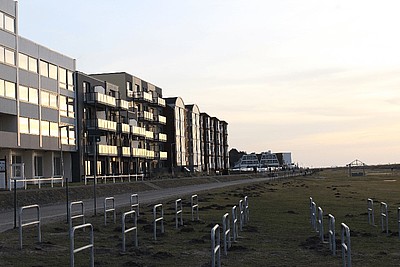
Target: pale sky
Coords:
[[320, 79]]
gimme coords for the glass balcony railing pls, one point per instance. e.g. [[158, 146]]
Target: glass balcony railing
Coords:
[[149, 135], [149, 154], [162, 137], [126, 151], [162, 119], [138, 131], [146, 115], [163, 155], [107, 150], [125, 128], [100, 98], [159, 101], [123, 104], [139, 152], [107, 125], [144, 96]]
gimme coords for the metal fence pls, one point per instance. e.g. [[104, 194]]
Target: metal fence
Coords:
[[112, 209], [332, 234], [195, 206], [114, 178], [36, 222], [215, 246], [81, 213], [246, 209], [241, 214], [234, 224], [133, 228], [135, 203], [158, 219], [314, 216], [384, 218], [90, 246], [346, 245], [321, 223], [178, 213], [371, 215], [226, 231]]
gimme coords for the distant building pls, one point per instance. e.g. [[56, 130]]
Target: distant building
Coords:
[[263, 160]]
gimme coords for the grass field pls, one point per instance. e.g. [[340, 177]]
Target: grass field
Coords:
[[278, 233]]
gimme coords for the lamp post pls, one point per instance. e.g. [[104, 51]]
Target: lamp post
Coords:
[[172, 160], [62, 169]]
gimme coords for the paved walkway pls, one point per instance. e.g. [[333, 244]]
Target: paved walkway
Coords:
[[58, 212]]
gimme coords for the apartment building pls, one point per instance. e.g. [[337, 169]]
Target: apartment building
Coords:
[[194, 137], [37, 104], [147, 138]]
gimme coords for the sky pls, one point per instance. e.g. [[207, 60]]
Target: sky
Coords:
[[319, 79]]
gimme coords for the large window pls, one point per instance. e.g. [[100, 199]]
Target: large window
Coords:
[[27, 63], [7, 22], [24, 125], [34, 126], [7, 56], [38, 161], [7, 89], [48, 70], [57, 166], [54, 129], [28, 94], [45, 128], [48, 99]]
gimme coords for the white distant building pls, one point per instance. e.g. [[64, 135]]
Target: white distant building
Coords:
[[285, 159], [248, 161], [269, 160]]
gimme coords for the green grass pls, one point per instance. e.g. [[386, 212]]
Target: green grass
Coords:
[[278, 233]]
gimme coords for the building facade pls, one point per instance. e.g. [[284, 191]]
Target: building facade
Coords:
[[37, 104]]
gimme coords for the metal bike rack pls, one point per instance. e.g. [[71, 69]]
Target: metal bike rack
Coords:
[[314, 216], [346, 245], [195, 205], [332, 234], [112, 209], [133, 228], [90, 246], [235, 229], [178, 213], [321, 223], [371, 219], [241, 214], [157, 219], [22, 225], [246, 209], [384, 218], [215, 246], [135, 203], [81, 214], [311, 211], [226, 231]]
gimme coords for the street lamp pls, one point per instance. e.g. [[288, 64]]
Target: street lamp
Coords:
[[62, 168]]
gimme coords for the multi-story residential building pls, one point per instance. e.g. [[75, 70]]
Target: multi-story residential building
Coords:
[[207, 143], [175, 111], [194, 138], [225, 145], [149, 138], [37, 104]]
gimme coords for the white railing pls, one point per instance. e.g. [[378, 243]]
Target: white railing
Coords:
[[384, 218], [321, 223], [235, 228], [112, 209], [162, 119], [162, 137], [126, 151], [107, 150], [125, 128], [158, 219], [226, 231], [215, 246], [178, 213], [194, 201], [139, 130], [163, 155], [346, 245], [90, 246], [246, 209], [80, 214], [22, 225], [38, 181], [371, 219], [114, 178], [314, 216], [123, 104], [133, 228], [149, 135], [332, 234], [241, 214]]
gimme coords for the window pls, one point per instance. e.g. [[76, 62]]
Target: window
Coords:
[[1, 20], [33, 95], [71, 109], [1, 87], [53, 101], [23, 93], [129, 90], [64, 135], [34, 126], [45, 98], [38, 161], [52, 71], [57, 166], [63, 106], [70, 79], [44, 68], [23, 61], [54, 129], [9, 89], [45, 127], [9, 23], [9, 56], [24, 125], [1, 54], [62, 76], [33, 64]]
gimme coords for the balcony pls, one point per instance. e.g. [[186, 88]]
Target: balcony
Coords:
[[105, 150], [139, 131], [101, 124], [143, 96], [161, 119], [124, 128], [123, 104], [159, 101], [163, 155], [126, 151], [149, 135], [139, 152], [150, 154], [99, 98], [146, 115], [162, 137]]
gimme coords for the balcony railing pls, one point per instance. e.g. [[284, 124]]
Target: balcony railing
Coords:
[[149, 135], [146, 115], [107, 150], [93, 97], [125, 128], [159, 101], [143, 96], [163, 155], [139, 152], [123, 104], [126, 151], [149, 154], [162, 119], [101, 124], [162, 137], [138, 131]]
